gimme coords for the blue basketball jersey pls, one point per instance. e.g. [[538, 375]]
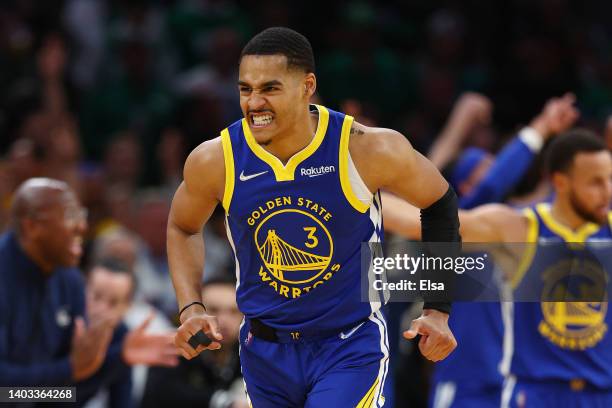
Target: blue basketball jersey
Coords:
[[562, 341], [478, 330], [296, 229]]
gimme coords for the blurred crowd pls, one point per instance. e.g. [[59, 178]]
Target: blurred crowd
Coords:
[[110, 97]]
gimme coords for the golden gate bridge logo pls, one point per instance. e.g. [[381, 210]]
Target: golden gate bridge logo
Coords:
[[306, 257], [574, 324]]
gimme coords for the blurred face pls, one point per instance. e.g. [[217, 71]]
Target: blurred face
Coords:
[[220, 301], [272, 97], [57, 230], [588, 185], [108, 294], [123, 160], [122, 248], [153, 220], [65, 144]]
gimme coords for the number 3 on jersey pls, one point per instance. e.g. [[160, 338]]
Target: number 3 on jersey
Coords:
[[312, 240]]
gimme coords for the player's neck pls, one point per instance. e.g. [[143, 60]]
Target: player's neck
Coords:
[[563, 213], [295, 138]]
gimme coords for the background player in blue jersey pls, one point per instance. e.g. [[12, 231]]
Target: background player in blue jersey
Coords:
[[299, 187], [550, 364], [470, 376]]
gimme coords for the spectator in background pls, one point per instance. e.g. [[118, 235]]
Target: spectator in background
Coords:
[[52, 62], [63, 152], [126, 246], [151, 219], [216, 78], [43, 338], [24, 160], [123, 161], [211, 380], [110, 289], [171, 154], [40, 85]]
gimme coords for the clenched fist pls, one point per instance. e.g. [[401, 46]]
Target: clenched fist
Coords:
[[437, 340]]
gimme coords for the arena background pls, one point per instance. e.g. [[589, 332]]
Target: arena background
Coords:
[[110, 96]]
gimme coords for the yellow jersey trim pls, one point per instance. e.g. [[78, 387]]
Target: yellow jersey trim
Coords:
[[368, 399], [580, 235], [532, 239], [569, 236], [287, 172], [345, 182], [228, 158]]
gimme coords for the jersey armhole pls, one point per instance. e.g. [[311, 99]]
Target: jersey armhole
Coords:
[[228, 159], [530, 248], [349, 176]]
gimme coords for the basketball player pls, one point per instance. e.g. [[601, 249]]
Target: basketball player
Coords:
[[554, 360], [299, 184]]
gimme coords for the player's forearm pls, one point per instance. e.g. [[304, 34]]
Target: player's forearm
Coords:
[[401, 217], [186, 261]]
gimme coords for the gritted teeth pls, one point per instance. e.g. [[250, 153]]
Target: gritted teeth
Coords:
[[262, 120]]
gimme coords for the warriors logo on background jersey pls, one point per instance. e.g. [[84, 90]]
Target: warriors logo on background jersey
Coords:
[[574, 325]]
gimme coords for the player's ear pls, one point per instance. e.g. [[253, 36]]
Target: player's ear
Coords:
[[310, 85]]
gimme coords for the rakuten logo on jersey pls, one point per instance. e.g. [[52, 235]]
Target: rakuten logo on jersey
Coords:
[[317, 171]]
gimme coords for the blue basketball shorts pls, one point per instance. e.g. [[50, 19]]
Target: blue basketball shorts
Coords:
[[344, 370], [523, 394]]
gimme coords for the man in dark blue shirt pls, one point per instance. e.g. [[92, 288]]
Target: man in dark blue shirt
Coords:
[[43, 338]]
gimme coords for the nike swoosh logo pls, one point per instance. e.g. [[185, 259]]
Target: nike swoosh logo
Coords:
[[344, 336], [250, 176]]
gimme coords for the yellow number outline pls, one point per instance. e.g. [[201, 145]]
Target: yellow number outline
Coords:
[[311, 231]]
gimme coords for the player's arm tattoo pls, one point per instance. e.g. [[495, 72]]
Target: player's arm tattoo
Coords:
[[355, 131]]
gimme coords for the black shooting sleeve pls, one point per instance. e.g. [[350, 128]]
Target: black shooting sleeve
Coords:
[[440, 223]]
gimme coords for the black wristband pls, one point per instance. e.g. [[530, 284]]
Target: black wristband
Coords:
[[189, 305], [440, 223], [444, 307]]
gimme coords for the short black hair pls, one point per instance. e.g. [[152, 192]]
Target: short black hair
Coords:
[[565, 147], [283, 41]]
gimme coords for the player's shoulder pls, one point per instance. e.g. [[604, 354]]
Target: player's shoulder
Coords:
[[376, 140], [205, 165], [206, 154], [379, 150], [378, 153]]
